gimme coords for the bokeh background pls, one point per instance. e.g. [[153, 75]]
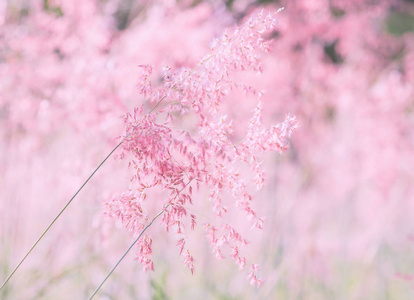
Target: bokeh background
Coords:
[[339, 206]]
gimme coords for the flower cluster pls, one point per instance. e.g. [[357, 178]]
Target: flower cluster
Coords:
[[165, 154]]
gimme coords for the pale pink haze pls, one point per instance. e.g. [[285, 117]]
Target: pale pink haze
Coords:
[[335, 209]]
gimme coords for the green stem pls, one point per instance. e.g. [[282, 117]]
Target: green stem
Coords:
[[126, 252], [135, 241], [71, 199]]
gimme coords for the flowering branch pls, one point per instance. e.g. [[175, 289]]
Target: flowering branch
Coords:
[[163, 154]]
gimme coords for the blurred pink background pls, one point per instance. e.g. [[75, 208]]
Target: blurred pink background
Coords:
[[338, 207]]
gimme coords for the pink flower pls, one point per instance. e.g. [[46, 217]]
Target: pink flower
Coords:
[[188, 261], [164, 153], [252, 276]]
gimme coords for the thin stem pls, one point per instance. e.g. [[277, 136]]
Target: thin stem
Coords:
[[136, 240], [71, 199], [126, 252], [59, 214]]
